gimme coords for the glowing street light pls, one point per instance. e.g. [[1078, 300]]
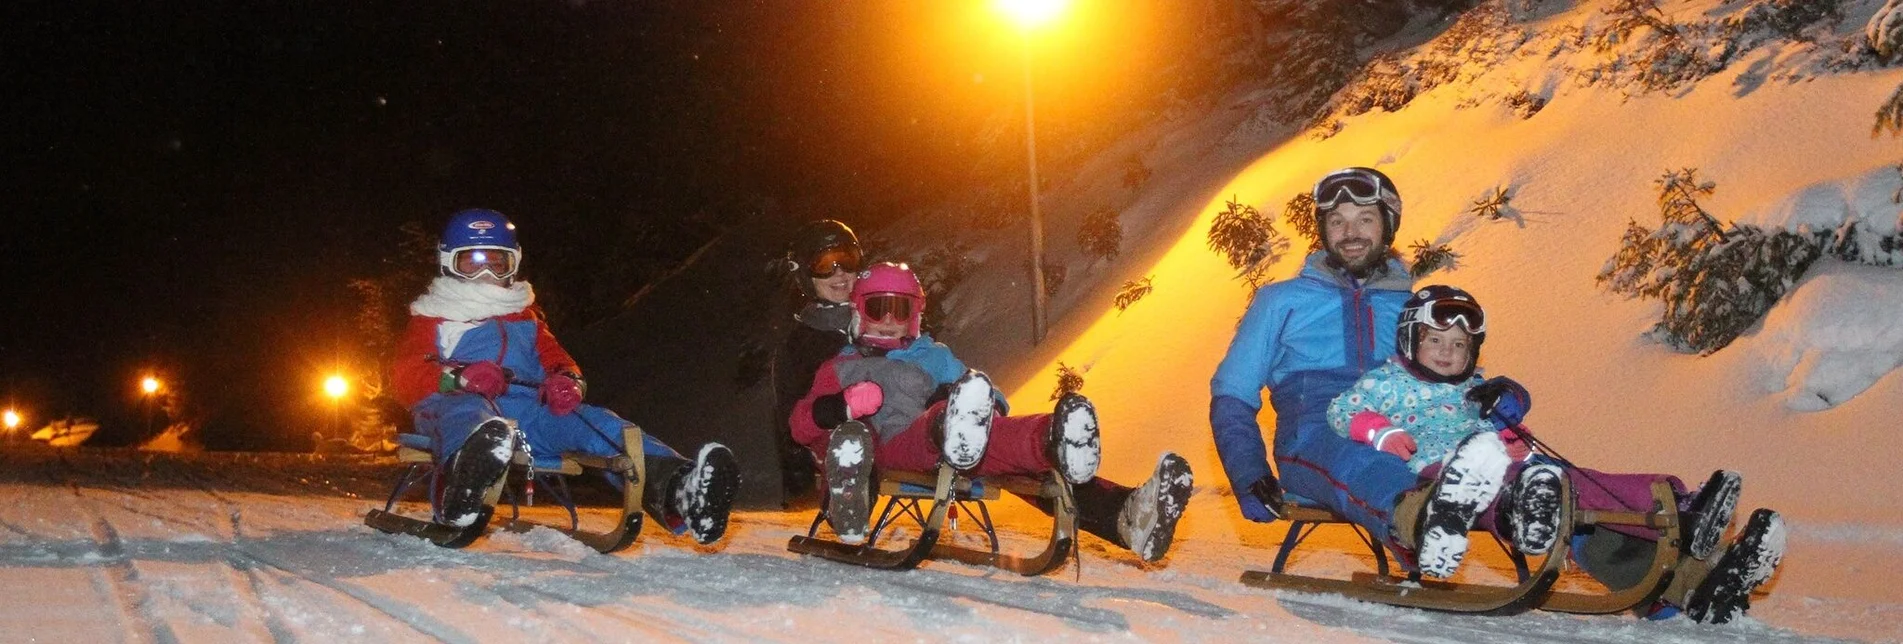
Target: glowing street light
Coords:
[[335, 387], [149, 385], [12, 420], [1030, 14]]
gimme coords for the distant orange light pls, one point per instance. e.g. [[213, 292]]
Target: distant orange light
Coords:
[[150, 385], [336, 386], [12, 419], [1031, 14]]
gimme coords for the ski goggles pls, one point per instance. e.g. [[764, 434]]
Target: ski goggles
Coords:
[[470, 263], [1354, 185], [847, 258], [1445, 314], [897, 308]]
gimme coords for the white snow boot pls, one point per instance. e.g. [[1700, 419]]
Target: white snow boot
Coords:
[[1710, 512], [849, 482], [703, 495], [1074, 444], [1748, 563], [1147, 522], [965, 426], [1469, 480], [479, 466], [1529, 510]]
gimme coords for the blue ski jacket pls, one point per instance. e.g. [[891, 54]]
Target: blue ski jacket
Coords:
[[1306, 339]]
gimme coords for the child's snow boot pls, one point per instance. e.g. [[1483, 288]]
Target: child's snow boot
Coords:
[[849, 482], [479, 467], [1470, 478], [1708, 515], [703, 495], [1147, 522], [1528, 511], [965, 426], [1725, 592], [1073, 443]]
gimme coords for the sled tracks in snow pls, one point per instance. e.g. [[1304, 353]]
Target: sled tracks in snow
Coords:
[[1535, 587]]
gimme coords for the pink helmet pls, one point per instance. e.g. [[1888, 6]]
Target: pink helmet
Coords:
[[886, 290]]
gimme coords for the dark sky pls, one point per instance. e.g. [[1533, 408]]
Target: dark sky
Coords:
[[192, 185]]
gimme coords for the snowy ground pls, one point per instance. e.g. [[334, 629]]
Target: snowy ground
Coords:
[[120, 546]]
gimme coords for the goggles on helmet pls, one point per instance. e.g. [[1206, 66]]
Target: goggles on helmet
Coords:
[[470, 263], [1354, 185], [848, 258], [897, 308], [1444, 314]]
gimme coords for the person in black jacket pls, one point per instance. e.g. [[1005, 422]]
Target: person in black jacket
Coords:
[[822, 263]]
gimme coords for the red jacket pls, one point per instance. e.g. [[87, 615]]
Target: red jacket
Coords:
[[519, 341]]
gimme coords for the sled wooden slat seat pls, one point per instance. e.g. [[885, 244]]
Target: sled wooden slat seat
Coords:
[[928, 499], [414, 451]]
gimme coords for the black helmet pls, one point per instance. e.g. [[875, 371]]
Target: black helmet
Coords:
[[810, 247], [1439, 307], [1364, 186]]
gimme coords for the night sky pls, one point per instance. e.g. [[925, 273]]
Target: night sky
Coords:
[[193, 185]]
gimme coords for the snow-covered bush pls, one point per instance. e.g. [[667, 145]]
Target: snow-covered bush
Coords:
[[1429, 257], [940, 271], [1885, 30], [1786, 18], [1890, 115], [1300, 215], [1493, 207], [1069, 381], [1135, 173], [1101, 234], [1715, 283], [1248, 240], [1525, 103], [1054, 275], [1133, 291]]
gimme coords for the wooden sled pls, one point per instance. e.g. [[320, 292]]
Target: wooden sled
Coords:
[[552, 473], [1663, 517], [1384, 587], [928, 499]]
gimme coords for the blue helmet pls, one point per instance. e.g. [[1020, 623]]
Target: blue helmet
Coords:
[[478, 241]]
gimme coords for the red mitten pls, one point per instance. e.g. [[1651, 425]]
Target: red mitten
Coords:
[[863, 399], [1517, 449], [486, 379], [561, 393], [1377, 431]]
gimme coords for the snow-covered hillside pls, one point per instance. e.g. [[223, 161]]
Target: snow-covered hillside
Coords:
[[118, 546]]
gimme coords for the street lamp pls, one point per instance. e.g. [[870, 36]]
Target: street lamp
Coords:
[[150, 386], [335, 386], [12, 420], [1030, 14]]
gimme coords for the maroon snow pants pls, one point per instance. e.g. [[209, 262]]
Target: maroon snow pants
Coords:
[[1016, 446], [1594, 490]]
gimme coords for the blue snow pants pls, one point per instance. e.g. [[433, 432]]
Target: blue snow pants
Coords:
[[449, 418], [1323, 468]]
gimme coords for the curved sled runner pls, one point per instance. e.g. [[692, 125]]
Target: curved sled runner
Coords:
[[908, 495], [551, 472], [1534, 589]]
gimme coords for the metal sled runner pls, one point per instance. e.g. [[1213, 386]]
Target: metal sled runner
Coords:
[[928, 499], [1534, 589], [551, 473]]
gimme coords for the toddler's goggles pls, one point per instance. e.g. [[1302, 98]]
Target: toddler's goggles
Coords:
[[847, 258], [470, 263], [896, 308], [1353, 185], [1444, 314]]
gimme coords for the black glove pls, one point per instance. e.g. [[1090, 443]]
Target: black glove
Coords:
[[1502, 401]]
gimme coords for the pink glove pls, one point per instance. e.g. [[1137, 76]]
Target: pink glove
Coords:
[[486, 379], [1517, 449], [1375, 430], [561, 393], [863, 399]]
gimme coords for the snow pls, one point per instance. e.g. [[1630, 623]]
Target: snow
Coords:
[[105, 545]]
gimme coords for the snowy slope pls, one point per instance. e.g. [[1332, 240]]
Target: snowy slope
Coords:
[[122, 546]]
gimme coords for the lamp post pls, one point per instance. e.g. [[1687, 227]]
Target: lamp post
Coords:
[[150, 387], [335, 386], [1030, 14], [12, 421]]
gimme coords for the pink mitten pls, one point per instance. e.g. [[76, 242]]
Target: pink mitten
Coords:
[[863, 399], [561, 393], [1377, 431], [486, 379], [1517, 449]]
